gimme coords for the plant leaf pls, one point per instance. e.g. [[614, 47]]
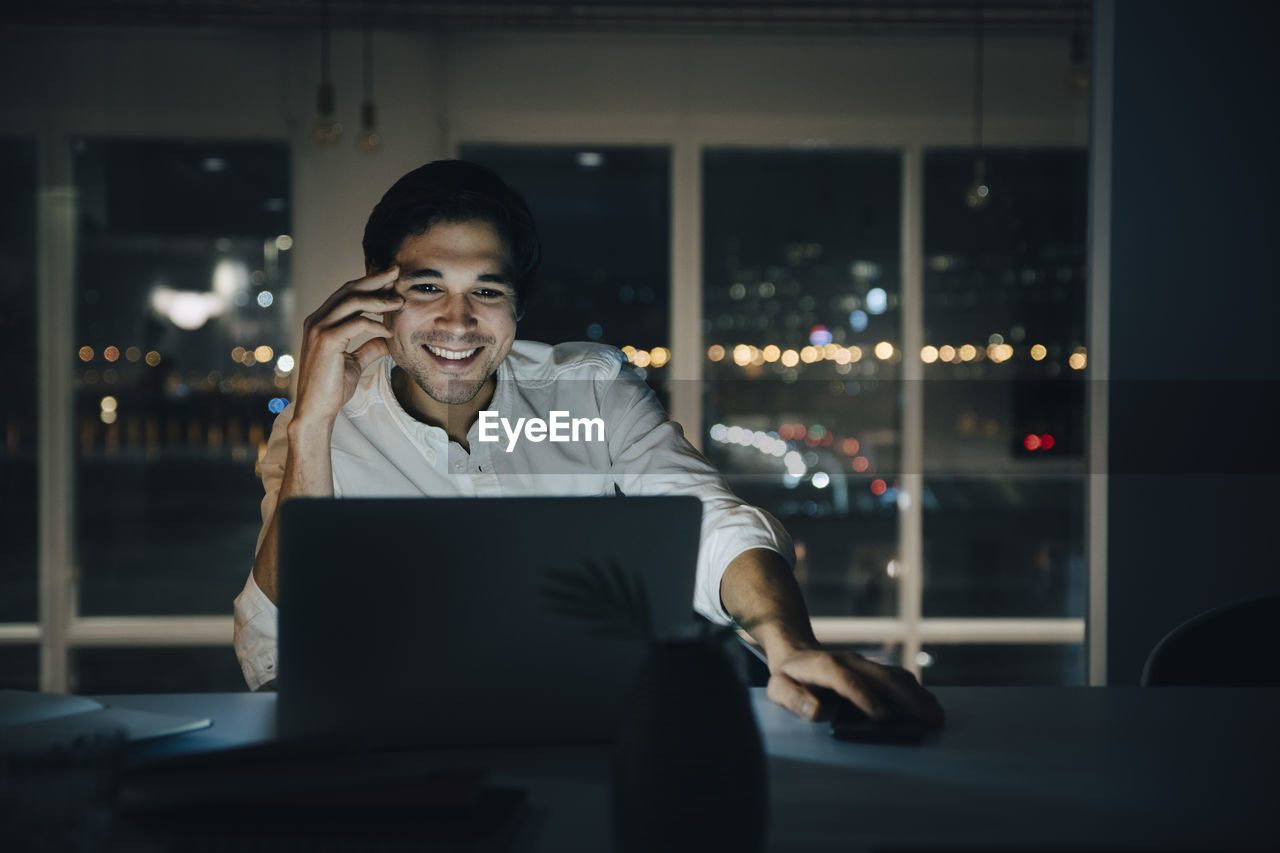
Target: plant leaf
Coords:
[[608, 601]]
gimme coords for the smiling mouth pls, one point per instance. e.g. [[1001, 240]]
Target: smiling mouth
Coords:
[[453, 359], [453, 355]]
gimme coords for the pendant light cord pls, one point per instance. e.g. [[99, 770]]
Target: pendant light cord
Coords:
[[977, 83], [324, 44]]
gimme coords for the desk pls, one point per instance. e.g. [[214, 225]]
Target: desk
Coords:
[[1067, 768]]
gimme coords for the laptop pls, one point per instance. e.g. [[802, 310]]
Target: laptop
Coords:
[[475, 621]]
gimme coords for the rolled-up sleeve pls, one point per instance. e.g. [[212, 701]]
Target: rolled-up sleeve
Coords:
[[255, 614], [652, 457], [255, 638]]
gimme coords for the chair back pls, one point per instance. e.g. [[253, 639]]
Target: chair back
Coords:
[[1233, 645]]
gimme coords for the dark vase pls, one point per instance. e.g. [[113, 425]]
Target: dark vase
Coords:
[[689, 769]]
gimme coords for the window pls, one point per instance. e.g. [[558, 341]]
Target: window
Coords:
[[181, 326], [1004, 366], [801, 295], [839, 288], [152, 669], [19, 667], [1004, 664], [181, 335], [604, 218]]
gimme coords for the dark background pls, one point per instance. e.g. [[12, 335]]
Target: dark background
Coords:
[[1194, 196]]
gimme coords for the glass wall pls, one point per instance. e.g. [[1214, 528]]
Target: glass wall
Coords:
[[801, 312], [151, 669], [19, 667], [604, 218], [1004, 366], [1004, 664], [182, 317], [182, 320]]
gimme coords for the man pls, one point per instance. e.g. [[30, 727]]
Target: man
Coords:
[[450, 251]]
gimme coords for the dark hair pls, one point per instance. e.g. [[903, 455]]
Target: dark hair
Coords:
[[447, 191]]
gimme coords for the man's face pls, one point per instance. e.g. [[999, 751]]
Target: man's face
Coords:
[[459, 316]]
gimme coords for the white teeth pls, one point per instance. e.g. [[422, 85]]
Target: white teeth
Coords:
[[450, 354]]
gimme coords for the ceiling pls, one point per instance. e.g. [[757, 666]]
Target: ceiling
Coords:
[[803, 17]]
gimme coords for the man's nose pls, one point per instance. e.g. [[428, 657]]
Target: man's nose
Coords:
[[456, 312]]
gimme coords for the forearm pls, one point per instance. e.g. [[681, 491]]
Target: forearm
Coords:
[[760, 592], [308, 472]]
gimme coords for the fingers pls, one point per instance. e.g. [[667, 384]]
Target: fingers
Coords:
[[824, 669], [338, 337], [792, 695], [354, 305], [904, 692], [327, 373], [373, 292], [369, 352], [376, 280], [880, 691]]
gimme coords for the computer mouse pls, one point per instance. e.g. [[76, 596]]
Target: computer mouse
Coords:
[[851, 723]]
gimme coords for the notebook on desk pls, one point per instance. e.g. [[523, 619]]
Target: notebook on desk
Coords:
[[55, 727], [469, 621]]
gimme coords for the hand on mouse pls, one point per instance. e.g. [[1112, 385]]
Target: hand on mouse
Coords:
[[804, 679]]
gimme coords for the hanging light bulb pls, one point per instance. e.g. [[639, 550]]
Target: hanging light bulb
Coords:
[[978, 193], [1078, 71], [368, 140], [327, 129]]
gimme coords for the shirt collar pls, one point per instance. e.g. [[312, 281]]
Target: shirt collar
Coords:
[[499, 403]]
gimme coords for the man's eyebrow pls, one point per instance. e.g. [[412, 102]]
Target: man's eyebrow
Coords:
[[487, 278], [425, 272]]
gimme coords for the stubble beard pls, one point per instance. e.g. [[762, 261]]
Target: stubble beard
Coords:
[[448, 390], [452, 392]]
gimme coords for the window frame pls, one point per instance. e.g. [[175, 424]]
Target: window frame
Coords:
[[688, 137], [61, 628]]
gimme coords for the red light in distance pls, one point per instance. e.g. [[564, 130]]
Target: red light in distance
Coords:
[[878, 487], [1046, 441], [1031, 442]]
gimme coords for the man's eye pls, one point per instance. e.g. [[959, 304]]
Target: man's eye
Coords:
[[491, 293], [423, 288]]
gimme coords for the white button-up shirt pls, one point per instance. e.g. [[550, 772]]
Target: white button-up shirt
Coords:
[[379, 450]]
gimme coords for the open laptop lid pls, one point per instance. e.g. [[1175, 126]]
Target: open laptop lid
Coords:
[[465, 621]]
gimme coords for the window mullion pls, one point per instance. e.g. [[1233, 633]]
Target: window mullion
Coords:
[[910, 504], [686, 288], [55, 271], [1099, 337]]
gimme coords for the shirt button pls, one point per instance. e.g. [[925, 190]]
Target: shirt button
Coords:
[[431, 455]]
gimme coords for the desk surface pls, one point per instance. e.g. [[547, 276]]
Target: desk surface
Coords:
[[1120, 768]]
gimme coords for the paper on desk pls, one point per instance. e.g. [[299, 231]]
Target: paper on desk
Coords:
[[53, 725]]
